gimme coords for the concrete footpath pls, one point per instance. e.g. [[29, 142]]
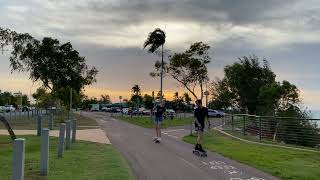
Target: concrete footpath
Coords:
[[92, 135]]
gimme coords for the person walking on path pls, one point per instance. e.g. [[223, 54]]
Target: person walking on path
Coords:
[[159, 110], [200, 113]]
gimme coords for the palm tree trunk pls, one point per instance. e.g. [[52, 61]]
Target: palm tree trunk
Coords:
[[161, 92]]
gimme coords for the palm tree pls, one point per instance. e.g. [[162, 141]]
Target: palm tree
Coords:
[[136, 90], [156, 39]]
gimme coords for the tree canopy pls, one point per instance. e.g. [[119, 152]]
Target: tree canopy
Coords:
[[250, 87], [188, 68], [54, 64]]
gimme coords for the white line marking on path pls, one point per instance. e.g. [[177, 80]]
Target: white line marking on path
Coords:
[[188, 162], [172, 136], [174, 130]]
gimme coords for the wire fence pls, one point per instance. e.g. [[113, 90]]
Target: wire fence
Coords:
[[285, 130], [28, 119]]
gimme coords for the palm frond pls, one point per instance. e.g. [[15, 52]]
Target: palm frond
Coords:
[[155, 39]]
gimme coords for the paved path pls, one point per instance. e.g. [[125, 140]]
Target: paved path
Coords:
[[93, 135], [172, 159]]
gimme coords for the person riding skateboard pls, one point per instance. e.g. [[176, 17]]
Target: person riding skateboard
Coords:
[[159, 111], [200, 113]]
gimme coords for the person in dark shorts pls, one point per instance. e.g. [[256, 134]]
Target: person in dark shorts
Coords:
[[159, 111], [200, 114]]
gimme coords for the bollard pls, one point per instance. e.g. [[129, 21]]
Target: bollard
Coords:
[[39, 125], [61, 140], [68, 134], [18, 159], [50, 123], [44, 161], [74, 130]]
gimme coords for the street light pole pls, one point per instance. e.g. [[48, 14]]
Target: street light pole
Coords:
[[161, 91]]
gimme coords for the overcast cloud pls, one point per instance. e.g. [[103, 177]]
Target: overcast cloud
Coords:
[[110, 35]]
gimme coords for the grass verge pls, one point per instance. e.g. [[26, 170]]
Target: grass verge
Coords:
[[85, 160], [147, 122], [283, 163]]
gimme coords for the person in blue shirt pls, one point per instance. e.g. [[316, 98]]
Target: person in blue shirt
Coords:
[[159, 111]]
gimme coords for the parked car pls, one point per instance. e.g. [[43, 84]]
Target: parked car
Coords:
[[125, 110], [146, 112], [105, 109], [9, 108], [169, 113], [2, 109], [26, 108], [215, 113]]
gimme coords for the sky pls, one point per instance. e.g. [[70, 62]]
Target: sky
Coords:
[[110, 34]]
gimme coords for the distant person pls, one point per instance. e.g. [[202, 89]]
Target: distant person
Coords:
[[200, 113], [159, 111]]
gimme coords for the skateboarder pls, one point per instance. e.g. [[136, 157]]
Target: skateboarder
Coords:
[[159, 110], [200, 113]]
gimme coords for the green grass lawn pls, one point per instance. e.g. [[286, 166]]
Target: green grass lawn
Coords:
[[30, 123], [148, 122], [283, 163], [85, 160]]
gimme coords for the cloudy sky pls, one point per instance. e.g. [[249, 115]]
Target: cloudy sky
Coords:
[[110, 35]]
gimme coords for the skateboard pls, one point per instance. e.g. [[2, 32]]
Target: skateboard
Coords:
[[198, 153], [156, 141]]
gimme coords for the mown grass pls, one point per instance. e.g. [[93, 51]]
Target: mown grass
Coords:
[[283, 163], [85, 160]]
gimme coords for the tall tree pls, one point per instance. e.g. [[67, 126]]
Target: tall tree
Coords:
[[188, 68], [156, 39], [136, 96], [187, 98], [56, 65], [105, 99], [245, 79], [148, 101], [136, 90]]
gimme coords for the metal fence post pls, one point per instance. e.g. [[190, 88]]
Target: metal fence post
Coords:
[[74, 130], [39, 125], [68, 134], [18, 159], [191, 123], [260, 130], [61, 139], [50, 123], [44, 162], [244, 124], [232, 124]]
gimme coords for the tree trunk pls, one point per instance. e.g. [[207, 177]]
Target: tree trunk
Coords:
[[276, 131], [7, 125]]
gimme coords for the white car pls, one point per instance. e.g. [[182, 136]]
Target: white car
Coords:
[[105, 109], [125, 110], [215, 113], [2, 109], [9, 108]]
